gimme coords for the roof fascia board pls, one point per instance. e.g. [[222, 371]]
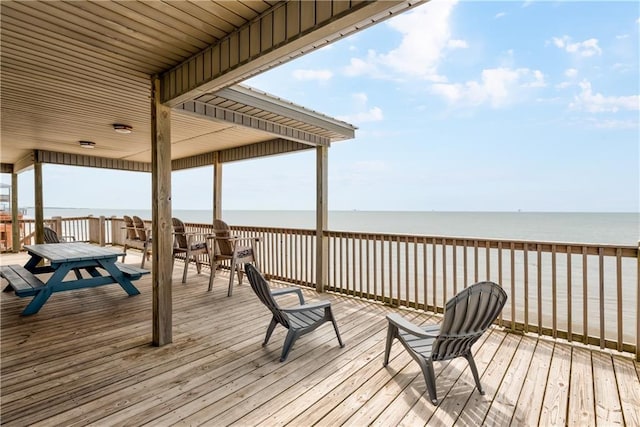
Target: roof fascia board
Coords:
[[284, 32]]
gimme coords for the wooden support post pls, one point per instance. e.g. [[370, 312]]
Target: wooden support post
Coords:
[[39, 201], [114, 231], [15, 221], [217, 186], [162, 228], [322, 214]]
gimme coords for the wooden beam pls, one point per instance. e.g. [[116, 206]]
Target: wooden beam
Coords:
[[69, 159], [162, 227], [284, 32], [6, 168], [322, 215]]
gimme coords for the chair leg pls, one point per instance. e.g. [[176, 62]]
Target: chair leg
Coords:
[[392, 330], [429, 379], [144, 257], [186, 266], [270, 329], [198, 263], [335, 327], [233, 267], [474, 371], [239, 270], [291, 337], [214, 267], [125, 252]]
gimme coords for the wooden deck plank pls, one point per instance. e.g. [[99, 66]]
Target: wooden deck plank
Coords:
[[532, 393], [556, 396], [581, 401], [86, 359], [503, 407], [628, 388], [607, 400]]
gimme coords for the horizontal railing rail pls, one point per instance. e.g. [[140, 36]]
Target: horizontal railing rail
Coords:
[[574, 291]]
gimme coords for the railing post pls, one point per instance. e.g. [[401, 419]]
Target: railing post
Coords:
[[93, 235], [114, 234], [101, 230]]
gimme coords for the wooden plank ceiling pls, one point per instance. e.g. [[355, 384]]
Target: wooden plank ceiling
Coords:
[[71, 69]]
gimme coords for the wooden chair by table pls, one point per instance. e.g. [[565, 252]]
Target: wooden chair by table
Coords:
[[137, 237], [189, 246], [238, 250], [50, 236], [298, 320], [467, 316]]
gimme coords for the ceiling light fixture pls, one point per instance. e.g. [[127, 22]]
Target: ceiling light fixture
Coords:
[[87, 144], [120, 128]]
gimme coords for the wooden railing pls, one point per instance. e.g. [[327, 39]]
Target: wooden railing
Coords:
[[579, 292]]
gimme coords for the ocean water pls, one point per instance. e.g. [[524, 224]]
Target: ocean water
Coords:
[[596, 228]]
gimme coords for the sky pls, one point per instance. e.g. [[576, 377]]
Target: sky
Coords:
[[460, 106]]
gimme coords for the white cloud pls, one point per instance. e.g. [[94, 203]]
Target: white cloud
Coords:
[[598, 103], [498, 87], [321, 75], [374, 114], [586, 48], [571, 72], [500, 15], [426, 35]]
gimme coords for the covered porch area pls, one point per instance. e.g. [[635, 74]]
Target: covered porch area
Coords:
[[86, 358]]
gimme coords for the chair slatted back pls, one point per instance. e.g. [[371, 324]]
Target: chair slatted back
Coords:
[[467, 316], [140, 228], [130, 228], [180, 233], [222, 232], [50, 236], [261, 287]]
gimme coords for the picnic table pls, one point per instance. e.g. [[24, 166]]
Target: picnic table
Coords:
[[99, 263]]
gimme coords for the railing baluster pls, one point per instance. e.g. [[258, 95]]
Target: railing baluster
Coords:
[[601, 294], [525, 267], [569, 295], [513, 286]]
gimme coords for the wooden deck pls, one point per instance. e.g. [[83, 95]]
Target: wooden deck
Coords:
[[85, 358]]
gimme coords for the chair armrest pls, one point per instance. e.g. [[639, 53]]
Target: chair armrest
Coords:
[[242, 239], [283, 291], [307, 307], [409, 327]]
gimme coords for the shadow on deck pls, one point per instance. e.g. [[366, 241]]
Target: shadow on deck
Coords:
[[86, 358]]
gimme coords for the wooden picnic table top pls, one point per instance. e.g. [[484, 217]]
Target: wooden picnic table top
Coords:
[[76, 251]]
